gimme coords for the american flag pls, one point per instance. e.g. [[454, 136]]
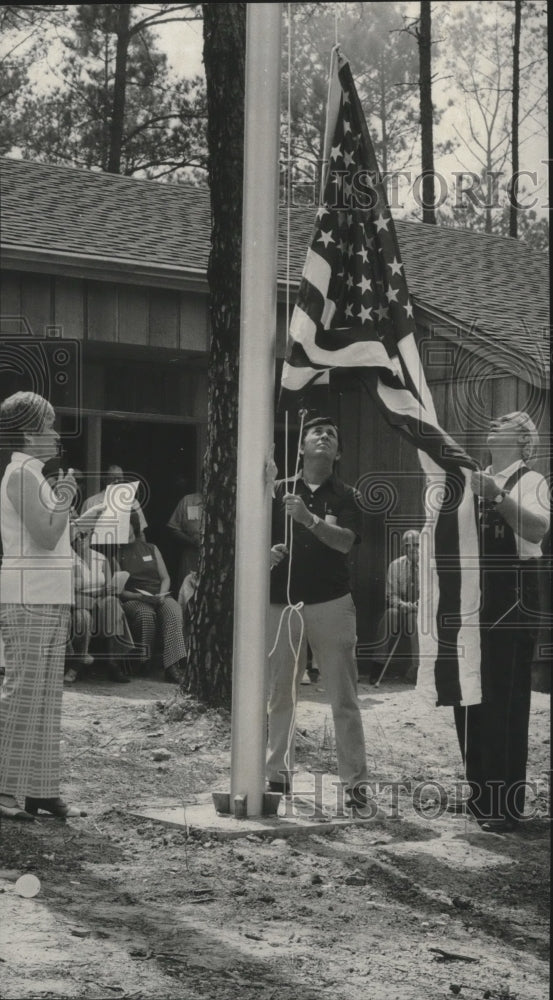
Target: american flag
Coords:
[[354, 311]]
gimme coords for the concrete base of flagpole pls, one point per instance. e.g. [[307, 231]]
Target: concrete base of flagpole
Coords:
[[295, 815]]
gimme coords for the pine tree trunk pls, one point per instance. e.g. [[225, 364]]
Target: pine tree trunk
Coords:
[[513, 215], [424, 37], [119, 89], [209, 673]]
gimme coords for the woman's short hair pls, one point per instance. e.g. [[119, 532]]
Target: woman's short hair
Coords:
[[20, 414]]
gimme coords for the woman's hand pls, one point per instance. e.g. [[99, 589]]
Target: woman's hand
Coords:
[[133, 595], [152, 599], [65, 488]]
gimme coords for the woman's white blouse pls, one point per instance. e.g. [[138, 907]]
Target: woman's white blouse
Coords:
[[31, 574]]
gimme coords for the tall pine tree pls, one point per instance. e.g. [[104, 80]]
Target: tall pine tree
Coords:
[[117, 108], [209, 673]]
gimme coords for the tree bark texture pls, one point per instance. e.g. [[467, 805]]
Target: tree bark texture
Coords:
[[209, 673], [119, 89], [424, 38], [513, 212]]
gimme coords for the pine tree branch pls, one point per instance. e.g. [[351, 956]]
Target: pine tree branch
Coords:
[[158, 18]]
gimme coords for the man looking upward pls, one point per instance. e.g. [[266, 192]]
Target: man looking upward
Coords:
[[514, 517], [325, 524]]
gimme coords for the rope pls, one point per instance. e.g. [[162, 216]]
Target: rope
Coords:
[[286, 470], [289, 169], [291, 609], [465, 761]]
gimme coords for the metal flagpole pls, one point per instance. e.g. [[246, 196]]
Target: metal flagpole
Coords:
[[255, 406]]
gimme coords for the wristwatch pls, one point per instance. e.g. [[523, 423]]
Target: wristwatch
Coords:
[[499, 497], [316, 520]]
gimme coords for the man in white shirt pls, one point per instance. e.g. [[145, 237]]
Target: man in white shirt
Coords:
[[185, 527], [400, 616], [514, 517]]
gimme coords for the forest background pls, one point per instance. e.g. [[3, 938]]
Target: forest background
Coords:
[[121, 87]]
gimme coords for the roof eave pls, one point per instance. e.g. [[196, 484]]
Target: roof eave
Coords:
[[478, 342], [90, 266]]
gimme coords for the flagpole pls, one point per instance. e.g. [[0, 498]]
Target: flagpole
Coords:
[[255, 407]]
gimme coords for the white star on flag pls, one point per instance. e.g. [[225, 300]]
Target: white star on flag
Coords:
[[325, 238], [365, 285], [382, 312], [396, 266]]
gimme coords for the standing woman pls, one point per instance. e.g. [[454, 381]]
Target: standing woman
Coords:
[[35, 599]]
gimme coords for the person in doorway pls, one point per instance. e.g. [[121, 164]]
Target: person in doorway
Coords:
[[184, 526], [325, 524], [97, 612], [35, 601], [113, 476], [514, 517], [155, 618], [402, 595]]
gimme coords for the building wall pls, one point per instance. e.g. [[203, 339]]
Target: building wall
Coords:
[[134, 387], [107, 312]]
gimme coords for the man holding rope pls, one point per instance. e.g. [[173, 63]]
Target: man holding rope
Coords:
[[311, 601]]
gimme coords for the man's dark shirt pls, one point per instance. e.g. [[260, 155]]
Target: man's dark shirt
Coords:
[[319, 573]]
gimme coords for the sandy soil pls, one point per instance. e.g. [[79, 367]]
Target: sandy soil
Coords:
[[413, 905]]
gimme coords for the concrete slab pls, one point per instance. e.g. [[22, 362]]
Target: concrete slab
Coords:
[[201, 819]]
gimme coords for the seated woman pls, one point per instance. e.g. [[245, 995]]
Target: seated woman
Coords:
[[97, 611], [153, 615]]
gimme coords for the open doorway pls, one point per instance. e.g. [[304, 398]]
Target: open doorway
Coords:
[[163, 457]]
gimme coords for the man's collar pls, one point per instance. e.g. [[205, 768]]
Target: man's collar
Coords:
[[329, 479], [505, 473]]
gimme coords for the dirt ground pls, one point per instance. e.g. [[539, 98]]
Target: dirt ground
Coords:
[[412, 905]]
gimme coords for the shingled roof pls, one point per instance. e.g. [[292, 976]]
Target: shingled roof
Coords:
[[494, 287]]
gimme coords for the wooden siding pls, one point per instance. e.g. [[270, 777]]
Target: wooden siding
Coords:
[[106, 312], [69, 307], [10, 301], [164, 319], [194, 322], [101, 312], [133, 315]]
